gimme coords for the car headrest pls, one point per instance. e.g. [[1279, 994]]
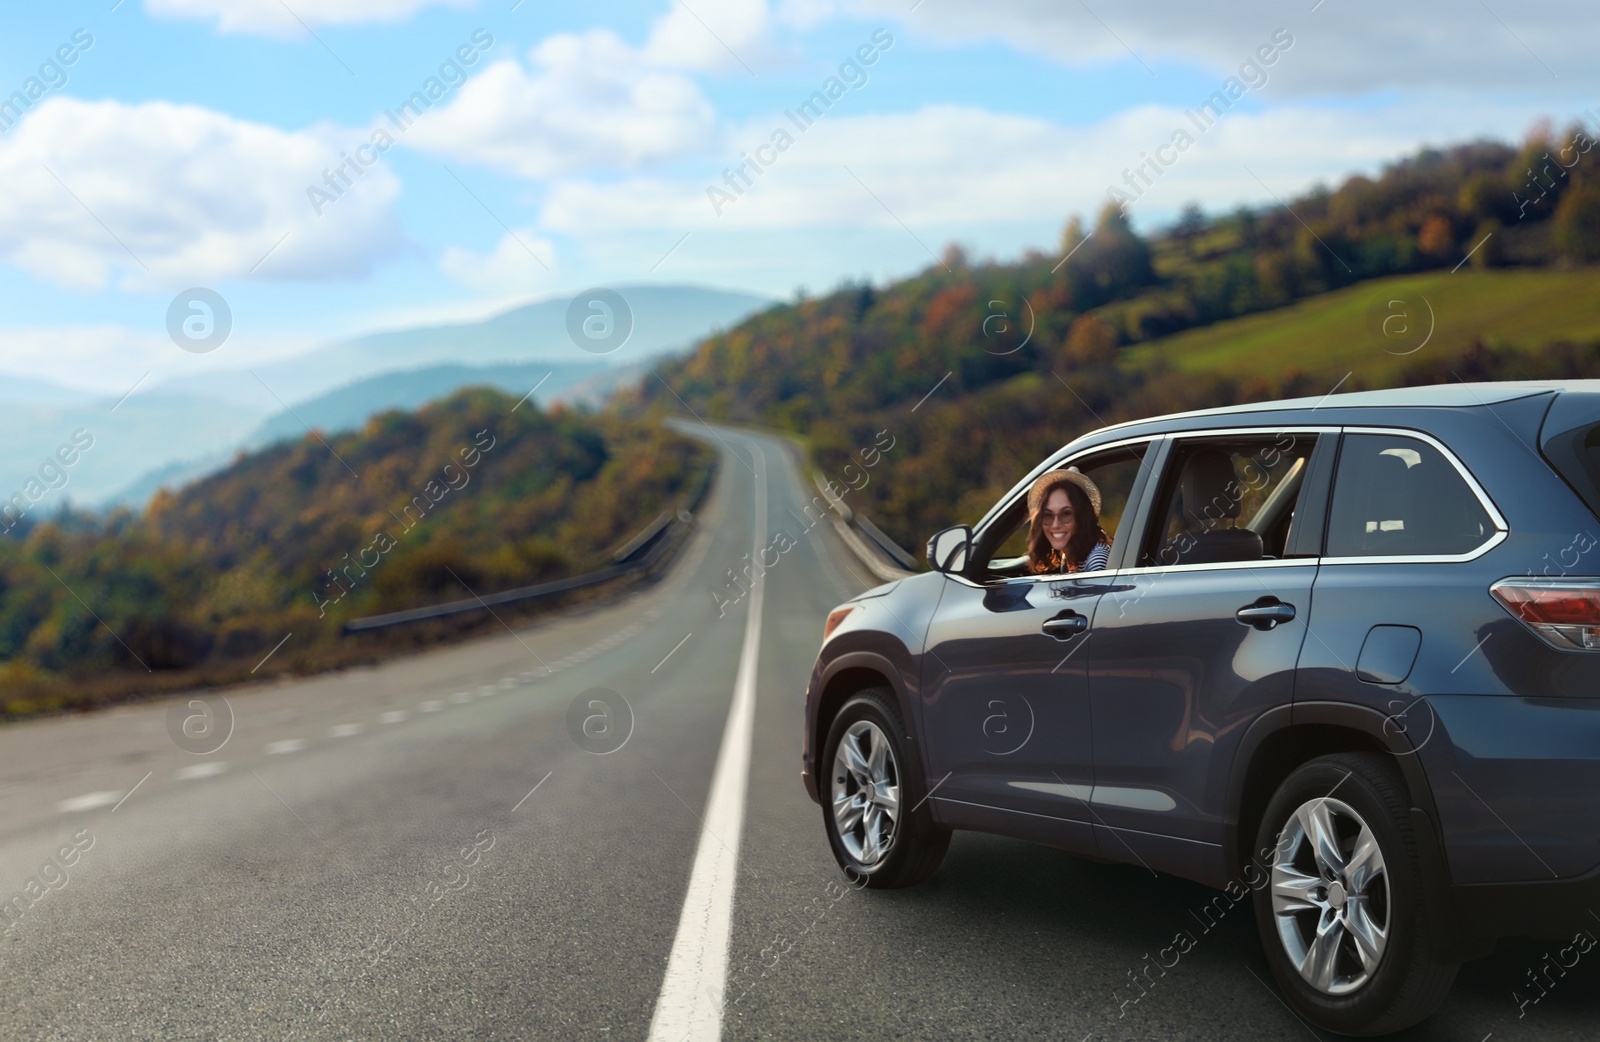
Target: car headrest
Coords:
[[1210, 488]]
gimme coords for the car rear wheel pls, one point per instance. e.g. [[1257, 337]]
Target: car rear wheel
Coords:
[[874, 805], [1343, 920]]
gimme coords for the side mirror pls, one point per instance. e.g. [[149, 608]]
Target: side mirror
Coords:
[[948, 550]]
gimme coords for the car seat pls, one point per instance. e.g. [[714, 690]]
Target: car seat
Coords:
[[1211, 497]]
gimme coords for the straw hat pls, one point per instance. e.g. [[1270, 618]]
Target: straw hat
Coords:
[[1053, 478]]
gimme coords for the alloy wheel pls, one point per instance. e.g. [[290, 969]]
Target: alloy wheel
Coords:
[[866, 792], [1330, 896]]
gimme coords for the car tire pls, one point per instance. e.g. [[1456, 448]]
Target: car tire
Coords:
[[1344, 922], [874, 801]]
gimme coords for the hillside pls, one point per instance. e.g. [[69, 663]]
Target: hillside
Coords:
[[412, 509], [980, 369], [1332, 333], [348, 407]]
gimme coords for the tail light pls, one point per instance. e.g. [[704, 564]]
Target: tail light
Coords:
[[1565, 613], [835, 617]]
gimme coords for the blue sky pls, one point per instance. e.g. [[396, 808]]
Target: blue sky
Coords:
[[579, 149]]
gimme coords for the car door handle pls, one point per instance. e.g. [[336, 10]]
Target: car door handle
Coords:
[[1066, 625], [1265, 613]]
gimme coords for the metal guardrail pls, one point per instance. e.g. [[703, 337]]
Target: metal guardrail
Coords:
[[641, 562], [878, 559], [900, 555], [648, 533], [640, 553]]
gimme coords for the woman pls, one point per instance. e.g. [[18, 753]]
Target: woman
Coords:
[[1064, 533]]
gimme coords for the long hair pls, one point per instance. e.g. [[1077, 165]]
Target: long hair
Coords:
[[1086, 533]]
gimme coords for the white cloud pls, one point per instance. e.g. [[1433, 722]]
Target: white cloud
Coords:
[[274, 18], [716, 34], [591, 100], [588, 101], [945, 168], [171, 195], [1344, 48], [510, 269]]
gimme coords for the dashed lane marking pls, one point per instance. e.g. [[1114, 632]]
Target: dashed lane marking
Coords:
[[89, 801]]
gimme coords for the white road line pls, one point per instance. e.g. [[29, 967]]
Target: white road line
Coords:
[[344, 730], [89, 801], [430, 706], [201, 770], [288, 745], [462, 697], [393, 716], [689, 1008]]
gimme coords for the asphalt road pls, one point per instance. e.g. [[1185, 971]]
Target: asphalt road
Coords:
[[427, 850]]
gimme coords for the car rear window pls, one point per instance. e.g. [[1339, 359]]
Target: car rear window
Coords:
[[1575, 454], [1396, 496]]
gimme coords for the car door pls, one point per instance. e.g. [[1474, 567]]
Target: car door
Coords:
[[1005, 710], [1198, 639]]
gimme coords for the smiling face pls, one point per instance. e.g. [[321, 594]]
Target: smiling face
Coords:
[[1057, 520]]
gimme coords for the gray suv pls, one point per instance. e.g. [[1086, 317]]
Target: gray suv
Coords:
[[1344, 664]]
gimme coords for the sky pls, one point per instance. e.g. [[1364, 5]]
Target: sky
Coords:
[[258, 149]]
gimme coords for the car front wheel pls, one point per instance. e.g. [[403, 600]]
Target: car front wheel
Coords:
[[1343, 920], [876, 812]]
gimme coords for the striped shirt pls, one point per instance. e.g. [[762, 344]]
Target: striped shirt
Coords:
[[1099, 559]]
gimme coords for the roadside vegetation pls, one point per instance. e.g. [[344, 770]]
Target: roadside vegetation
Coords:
[[463, 496], [1485, 243]]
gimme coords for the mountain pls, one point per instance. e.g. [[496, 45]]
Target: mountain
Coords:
[[664, 319], [348, 407], [184, 429], [157, 428]]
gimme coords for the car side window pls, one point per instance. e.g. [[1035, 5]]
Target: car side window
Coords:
[[1227, 500], [1112, 472], [1398, 496]]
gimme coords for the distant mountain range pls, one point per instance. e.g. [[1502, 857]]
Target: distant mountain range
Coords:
[[664, 318], [348, 407], [186, 428]]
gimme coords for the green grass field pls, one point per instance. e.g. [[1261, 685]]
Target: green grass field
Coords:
[[1329, 334]]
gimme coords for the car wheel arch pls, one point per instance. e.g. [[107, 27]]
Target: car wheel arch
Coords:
[[853, 672], [1286, 736]]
